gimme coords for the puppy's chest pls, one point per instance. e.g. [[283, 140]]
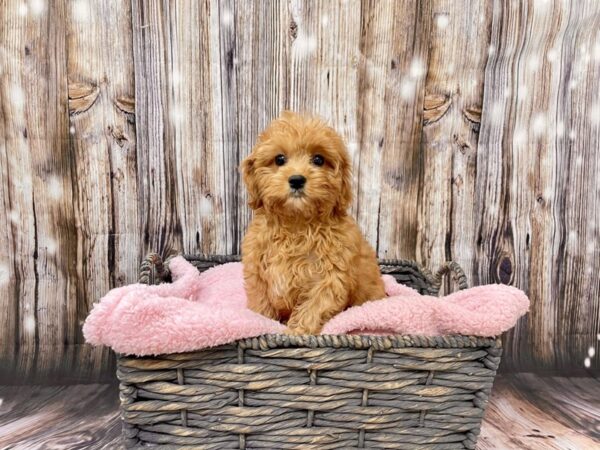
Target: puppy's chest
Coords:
[[293, 268]]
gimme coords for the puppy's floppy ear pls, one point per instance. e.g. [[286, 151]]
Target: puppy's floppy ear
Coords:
[[248, 175], [345, 198]]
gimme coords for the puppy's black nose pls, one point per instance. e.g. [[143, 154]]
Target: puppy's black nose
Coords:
[[297, 181]]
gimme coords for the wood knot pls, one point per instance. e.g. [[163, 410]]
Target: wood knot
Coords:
[[505, 270], [293, 29], [434, 107], [81, 97], [125, 104], [473, 115]]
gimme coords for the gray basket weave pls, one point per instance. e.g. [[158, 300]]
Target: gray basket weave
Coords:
[[312, 392]]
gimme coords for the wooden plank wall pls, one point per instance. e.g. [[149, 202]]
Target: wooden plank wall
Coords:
[[474, 129]]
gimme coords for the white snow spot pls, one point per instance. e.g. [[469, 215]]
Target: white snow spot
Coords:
[[417, 69], [572, 135], [55, 190], [206, 206], [522, 92], [538, 124], [591, 352], [578, 161], [491, 50], [442, 20], [572, 84], [598, 337], [407, 89], [13, 216], [226, 17], [591, 247], [51, 246], [29, 324], [496, 112], [450, 69], [587, 362], [305, 44], [534, 63], [520, 136], [573, 238], [17, 96], [37, 6], [72, 129], [175, 78], [352, 147], [4, 274], [325, 20], [507, 93], [81, 11], [552, 55], [560, 129], [176, 114], [23, 9], [27, 307]]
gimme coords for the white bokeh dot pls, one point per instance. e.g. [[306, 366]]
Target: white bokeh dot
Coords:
[[13, 216], [37, 6], [29, 324], [23, 9], [81, 11], [591, 352], [226, 17], [594, 115], [325, 20], [538, 124], [587, 362], [417, 69], [442, 20], [552, 55], [206, 206], [560, 129], [407, 89], [176, 114], [17, 96], [304, 44], [55, 190], [51, 246]]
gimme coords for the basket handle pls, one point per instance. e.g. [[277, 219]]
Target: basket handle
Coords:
[[153, 270], [451, 268]]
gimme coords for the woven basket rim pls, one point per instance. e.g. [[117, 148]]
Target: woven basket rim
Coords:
[[358, 342]]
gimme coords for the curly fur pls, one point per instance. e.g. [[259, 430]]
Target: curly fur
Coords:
[[305, 259]]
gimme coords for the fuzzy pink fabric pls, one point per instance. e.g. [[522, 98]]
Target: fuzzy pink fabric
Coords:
[[204, 310]]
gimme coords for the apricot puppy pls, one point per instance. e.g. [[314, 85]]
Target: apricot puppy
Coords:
[[305, 259]]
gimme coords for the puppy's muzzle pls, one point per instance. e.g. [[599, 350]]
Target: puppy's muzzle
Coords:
[[297, 182]]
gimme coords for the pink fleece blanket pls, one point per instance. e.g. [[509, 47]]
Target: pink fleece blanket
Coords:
[[204, 310]]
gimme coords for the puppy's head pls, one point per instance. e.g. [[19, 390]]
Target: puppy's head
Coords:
[[299, 167]]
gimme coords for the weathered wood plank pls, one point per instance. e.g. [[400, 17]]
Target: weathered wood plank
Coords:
[[536, 201], [101, 92], [458, 51], [393, 53], [160, 224], [36, 179]]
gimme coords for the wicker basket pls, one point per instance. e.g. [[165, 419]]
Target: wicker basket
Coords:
[[312, 392]]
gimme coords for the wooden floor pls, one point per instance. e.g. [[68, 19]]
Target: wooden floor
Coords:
[[526, 412]]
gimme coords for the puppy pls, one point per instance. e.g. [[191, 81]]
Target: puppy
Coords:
[[305, 259]]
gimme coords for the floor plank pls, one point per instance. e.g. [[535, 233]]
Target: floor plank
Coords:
[[526, 412]]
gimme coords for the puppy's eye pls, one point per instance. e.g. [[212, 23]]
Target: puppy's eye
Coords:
[[318, 160], [280, 160]]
